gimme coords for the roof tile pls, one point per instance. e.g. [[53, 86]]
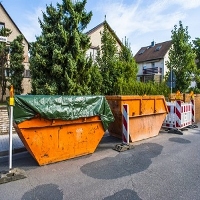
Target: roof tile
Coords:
[[148, 53]]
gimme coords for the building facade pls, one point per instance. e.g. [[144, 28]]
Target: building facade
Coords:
[[95, 38], [7, 22], [151, 61]]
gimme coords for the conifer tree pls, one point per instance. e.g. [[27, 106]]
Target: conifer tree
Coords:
[[127, 69], [106, 59], [4, 51], [58, 60], [16, 67], [117, 64]]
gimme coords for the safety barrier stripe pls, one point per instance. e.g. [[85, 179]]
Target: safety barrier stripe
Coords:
[[180, 114], [125, 121], [193, 111]]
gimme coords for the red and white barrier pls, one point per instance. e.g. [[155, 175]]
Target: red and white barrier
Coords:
[[193, 110], [180, 115], [125, 121], [170, 119]]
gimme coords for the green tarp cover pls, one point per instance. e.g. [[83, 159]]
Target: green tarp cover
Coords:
[[61, 107]]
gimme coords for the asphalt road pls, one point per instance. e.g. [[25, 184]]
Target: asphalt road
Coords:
[[166, 167]]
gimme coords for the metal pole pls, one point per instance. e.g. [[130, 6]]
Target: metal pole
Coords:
[[11, 103], [10, 137], [171, 80]]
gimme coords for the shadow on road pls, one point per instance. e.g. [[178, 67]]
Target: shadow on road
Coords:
[[124, 194], [179, 140], [108, 142], [123, 164], [22, 160], [47, 191]]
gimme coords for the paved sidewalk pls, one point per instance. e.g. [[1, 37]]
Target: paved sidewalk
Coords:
[[4, 144]]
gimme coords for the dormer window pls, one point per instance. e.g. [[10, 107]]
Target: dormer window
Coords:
[[2, 25], [158, 48], [142, 51]]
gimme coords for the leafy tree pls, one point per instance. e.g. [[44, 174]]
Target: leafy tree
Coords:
[[4, 51], [196, 43], [181, 58], [58, 60], [16, 67]]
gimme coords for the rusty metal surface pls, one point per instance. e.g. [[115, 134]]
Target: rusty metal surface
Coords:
[[146, 115], [51, 141]]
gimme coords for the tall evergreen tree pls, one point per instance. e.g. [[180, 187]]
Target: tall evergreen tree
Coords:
[[107, 57], [16, 67], [127, 69], [117, 65], [96, 80], [4, 51], [58, 60], [181, 58]]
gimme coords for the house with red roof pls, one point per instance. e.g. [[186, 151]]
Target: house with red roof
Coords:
[[151, 61]]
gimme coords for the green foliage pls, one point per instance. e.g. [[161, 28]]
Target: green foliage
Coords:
[[4, 51], [107, 60], [117, 65], [181, 58], [196, 43], [16, 66], [126, 69], [96, 80], [141, 88], [58, 60], [196, 90]]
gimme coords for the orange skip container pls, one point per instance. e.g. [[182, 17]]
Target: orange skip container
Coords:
[[146, 115], [50, 141], [58, 127]]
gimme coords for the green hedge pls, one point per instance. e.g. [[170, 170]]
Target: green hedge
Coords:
[[148, 88]]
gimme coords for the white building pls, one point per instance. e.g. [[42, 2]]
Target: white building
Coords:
[[151, 61]]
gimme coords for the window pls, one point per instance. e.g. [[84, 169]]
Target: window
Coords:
[[160, 70], [142, 51], [27, 73], [92, 52], [158, 48], [7, 72], [2, 25], [152, 65]]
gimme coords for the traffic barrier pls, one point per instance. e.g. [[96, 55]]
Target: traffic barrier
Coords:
[[125, 122], [193, 110], [180, 115]]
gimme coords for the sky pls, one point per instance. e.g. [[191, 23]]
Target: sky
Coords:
[[141, 21]]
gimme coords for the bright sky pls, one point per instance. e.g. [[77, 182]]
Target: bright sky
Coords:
[[141, 21]]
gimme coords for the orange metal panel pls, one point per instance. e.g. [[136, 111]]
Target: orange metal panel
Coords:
[[51, 141], [146, 115]]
